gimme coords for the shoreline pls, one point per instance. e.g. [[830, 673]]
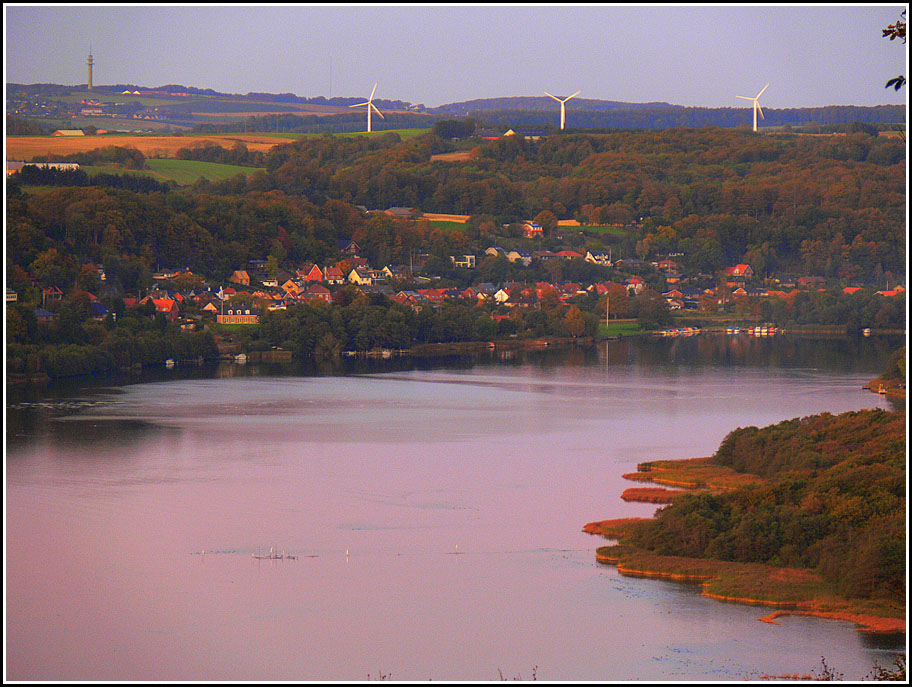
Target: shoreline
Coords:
[[709, 571], [749, 580]]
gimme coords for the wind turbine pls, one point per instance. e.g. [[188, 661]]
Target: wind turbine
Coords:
[[756, 102], [562, 102], [370, 106]]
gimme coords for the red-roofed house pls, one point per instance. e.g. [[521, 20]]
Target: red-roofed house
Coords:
[[785, 295], [738, 274], [240, 277], [310, 272], [318, 292], [532, 230], [636, 284], [898, 291], [166, 306], [333, 275], [51, 293]]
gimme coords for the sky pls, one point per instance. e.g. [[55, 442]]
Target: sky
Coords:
[[691, 55]]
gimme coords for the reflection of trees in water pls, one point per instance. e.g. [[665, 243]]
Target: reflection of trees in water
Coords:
[[838, 353], [25, 422], [72, 432]]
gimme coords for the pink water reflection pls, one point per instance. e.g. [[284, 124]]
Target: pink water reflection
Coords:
[[435, 517]]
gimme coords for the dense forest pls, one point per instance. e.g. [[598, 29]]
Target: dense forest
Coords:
[[833, 500]]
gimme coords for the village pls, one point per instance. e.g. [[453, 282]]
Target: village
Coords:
[[191, 301]]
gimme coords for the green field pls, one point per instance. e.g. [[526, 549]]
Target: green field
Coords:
[[101, 169], [404, 134], [615, 231], [618, 328], [183, 172], [108, 96], [189, 171], [447, 226]]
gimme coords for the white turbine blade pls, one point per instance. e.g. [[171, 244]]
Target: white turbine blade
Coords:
[[360, 104], [572, 96], [377, 111], [372, 92], [743, 97], [764, 88], [552, 97], [760, 110]]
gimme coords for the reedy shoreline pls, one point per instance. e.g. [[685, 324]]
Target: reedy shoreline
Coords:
[[789, 591]]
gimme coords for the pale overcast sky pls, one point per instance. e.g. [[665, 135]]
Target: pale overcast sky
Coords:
[[436, 54]]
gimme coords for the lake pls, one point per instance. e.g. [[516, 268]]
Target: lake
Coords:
[[434, 508]]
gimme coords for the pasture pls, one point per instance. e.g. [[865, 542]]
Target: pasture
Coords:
[[188, 171]]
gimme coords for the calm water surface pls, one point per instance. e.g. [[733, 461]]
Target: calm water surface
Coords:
[[435, 513]]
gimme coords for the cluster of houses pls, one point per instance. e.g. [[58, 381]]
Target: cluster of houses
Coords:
[[267, 289]]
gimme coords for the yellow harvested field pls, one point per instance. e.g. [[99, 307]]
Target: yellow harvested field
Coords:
[[458, 156], [436, 216], [27, 147]]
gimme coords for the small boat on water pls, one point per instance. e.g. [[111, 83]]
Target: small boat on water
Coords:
[[240, 358]]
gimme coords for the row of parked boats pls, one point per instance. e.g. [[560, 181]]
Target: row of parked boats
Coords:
[[683, 331], [759, 330]]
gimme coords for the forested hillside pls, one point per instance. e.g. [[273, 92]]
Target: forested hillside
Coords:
[[832, 206]]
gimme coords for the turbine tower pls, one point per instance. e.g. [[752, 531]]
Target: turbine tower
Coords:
[[91, 63], [756, 102], [563, 103], [370, 106]]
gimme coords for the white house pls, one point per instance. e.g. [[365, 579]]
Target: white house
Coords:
[[467, 261]]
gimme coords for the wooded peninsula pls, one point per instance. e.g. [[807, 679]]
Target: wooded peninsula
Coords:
[[806, 516]]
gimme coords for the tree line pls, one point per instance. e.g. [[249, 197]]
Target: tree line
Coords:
[[76, 343]]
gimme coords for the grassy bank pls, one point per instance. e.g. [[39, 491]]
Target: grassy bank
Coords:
[[618, 328]]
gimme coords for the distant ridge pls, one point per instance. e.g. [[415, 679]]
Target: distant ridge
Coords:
[[542, 104], [204, 107]]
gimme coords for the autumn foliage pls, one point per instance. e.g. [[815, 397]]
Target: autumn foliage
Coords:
[[832, 500]]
